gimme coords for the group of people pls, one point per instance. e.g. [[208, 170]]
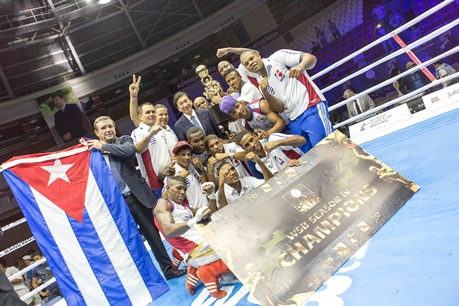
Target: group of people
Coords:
[[276, 115], [30, 280]]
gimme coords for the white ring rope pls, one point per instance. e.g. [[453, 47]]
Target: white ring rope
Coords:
[[400, 99], [396, 53], [393, 79], [385, 37]]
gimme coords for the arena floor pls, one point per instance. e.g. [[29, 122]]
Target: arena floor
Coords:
[[414, 258]]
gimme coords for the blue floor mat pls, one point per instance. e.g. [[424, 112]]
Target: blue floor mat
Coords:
[[414, 258]]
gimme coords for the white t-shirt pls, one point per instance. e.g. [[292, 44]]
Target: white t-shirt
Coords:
[[237, 164], [20, 288], [249, 93], [277, 159], [169, 136], [236, 126], [297, 94], [258, 120], [155, 158], [247, 184], [246, 75]]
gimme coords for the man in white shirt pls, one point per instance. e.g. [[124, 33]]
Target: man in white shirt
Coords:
[[232, 187], [18, 283], [246, 90], [153, 139], [286, 86], [183, 167], [443, 70], [167, 133], [223, 152], [152, 152], [277, 152]]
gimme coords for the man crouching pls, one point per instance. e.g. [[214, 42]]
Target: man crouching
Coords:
[[176, 222]]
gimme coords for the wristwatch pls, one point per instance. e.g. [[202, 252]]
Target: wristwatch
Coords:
[[231, 155]]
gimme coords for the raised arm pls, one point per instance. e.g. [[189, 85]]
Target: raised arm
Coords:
[[142, 145], [279, 123], [124, 148], [224, 51], [267, 174], [275, 104], [222, 200], [292, 141], [133, 104], [308, 61]]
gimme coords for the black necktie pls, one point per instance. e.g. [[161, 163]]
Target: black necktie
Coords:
[[359, 111]]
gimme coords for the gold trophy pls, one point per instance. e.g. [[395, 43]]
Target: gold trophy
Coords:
[[212, 88]]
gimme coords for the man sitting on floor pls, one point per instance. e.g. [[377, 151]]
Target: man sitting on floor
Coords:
[[231, 187], [176, 222]]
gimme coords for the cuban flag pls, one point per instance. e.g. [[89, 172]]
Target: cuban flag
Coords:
[[83, 226]]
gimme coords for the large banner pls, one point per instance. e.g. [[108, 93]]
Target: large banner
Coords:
[[82, 224], [284, 239]]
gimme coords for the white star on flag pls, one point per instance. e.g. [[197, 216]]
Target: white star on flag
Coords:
[[57, 171]]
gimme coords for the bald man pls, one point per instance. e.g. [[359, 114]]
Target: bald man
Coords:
[[201, 103]]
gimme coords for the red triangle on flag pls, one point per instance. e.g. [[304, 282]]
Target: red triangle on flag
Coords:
[[62, 180]]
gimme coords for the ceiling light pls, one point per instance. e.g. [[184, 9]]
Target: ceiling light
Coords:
[[104, 1], [197, 56], [118, 91]]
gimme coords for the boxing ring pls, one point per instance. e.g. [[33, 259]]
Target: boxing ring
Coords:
[[414, 258]]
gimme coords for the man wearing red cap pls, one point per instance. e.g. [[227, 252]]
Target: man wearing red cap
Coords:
[[184, 168]]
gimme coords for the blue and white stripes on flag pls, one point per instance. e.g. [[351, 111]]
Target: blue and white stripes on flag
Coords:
[[84, 228]]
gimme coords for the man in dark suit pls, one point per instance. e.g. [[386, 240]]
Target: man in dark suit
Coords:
[[412, 81], [67, 120], [202, 119], [119, 153]]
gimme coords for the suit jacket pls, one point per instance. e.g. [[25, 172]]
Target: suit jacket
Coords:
[[69, 121], [206, 119], [365, 103], [122, 151], [407, 83]]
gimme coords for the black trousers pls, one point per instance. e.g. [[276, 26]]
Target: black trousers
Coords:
[[144, 218]]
